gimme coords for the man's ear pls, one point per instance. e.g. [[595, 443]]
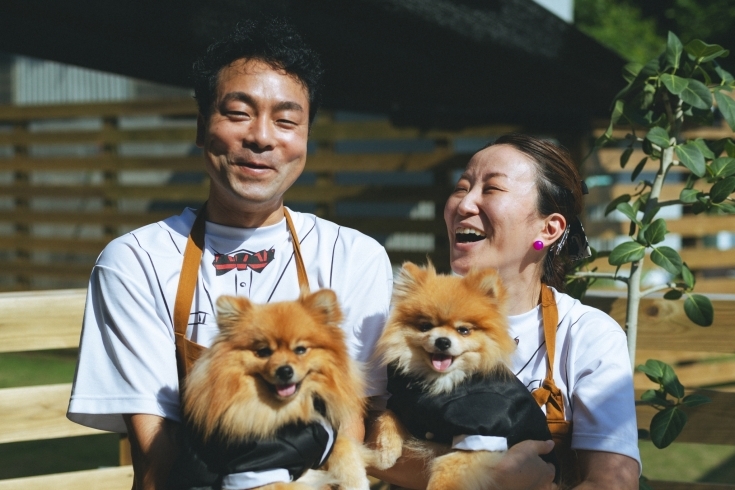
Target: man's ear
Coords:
[[201, 130], [554, 226]]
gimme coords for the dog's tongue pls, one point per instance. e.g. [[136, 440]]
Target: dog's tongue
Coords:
[[441, 362], [286, 390]]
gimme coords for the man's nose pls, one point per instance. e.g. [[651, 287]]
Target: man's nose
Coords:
[[260, 134]]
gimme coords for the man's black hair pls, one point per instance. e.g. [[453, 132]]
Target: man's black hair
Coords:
[[271, 40]]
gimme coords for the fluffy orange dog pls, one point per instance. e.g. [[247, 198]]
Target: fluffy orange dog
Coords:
[[277, 377], [453, 399]]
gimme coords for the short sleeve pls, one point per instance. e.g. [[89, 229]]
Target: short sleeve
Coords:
[[365, 301], [127, 356], [603, 400]]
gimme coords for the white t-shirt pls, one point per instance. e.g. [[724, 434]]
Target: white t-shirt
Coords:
[[591, 368], [127, 358]]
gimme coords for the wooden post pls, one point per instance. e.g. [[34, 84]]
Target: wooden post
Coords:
[[22, 229]]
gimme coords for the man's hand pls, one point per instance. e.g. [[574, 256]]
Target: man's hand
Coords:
[[152, 448], [521, 468]]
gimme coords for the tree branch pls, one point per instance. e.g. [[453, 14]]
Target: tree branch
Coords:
[[602, 275], [660, 287]]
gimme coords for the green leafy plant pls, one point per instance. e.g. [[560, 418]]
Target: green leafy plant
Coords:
[[676, 90]]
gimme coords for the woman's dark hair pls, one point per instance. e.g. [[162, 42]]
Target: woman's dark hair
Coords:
[[559, 191], [271, 40]]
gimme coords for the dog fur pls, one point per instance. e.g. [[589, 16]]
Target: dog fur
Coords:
[[235, 389], [471, 313]]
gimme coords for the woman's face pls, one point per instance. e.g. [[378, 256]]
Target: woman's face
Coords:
[[492, 217]]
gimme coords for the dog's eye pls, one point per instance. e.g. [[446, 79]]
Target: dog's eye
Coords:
[[463, 331], [300, 350], [264, 352], [425, 326]]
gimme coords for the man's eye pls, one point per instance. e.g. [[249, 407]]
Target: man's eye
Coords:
[[264, 352], [300, 350], [464, 331], [425, 326]]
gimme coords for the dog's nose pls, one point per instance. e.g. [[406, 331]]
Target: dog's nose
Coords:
[[284, 373], [442, 343]]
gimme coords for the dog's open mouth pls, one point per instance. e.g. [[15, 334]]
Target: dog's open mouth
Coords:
[[285, 391], [441, 362]]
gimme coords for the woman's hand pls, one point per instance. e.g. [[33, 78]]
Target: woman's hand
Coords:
[[522, 469]]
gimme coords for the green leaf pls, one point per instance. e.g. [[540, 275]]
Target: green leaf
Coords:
[[726, 105], [617, 112], [730, 148], [654, 397], [699, 309], [658, 136], [687, 276], [691, 157], [614, 203], [724, 74], [696, 94], [674, 84], [689, 195], [625, 156], [704, 52], [631, 70], [650, 214], [723, 167], [656, 231], [626, 252], [666, 426], [700, 206], [653, 369], [673, 294], [704, 148], [674, 48], [671, 383], [722, 189], [638, 169], [667, 258], [694, 399], [725, 207], [627, 210]]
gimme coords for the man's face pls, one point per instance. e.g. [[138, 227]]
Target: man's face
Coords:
[[254, 140]]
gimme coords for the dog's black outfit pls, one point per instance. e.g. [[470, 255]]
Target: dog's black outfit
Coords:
[[294, 447], [492, 405]]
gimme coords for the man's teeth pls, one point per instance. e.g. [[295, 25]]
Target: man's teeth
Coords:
[[469, 231]]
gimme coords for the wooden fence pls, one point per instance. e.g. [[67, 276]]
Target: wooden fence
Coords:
[[52, 320]]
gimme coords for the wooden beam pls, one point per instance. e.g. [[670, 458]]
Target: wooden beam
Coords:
[[37, 412], [41, 320], [609, 159], [158, 107], [117, 478], [711, 423], [663, 324]]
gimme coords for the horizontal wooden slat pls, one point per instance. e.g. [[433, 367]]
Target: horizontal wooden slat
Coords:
[[695, 225], [680, 485], [41, 320], [37, 412], [669, 192], [695, 370], [92, 246], [118, 478], [162, 107], [663, 325], [712, 423], [106, 136], [609, 159], [696, 259]]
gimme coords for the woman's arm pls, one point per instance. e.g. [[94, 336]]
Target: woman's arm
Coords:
[[607, 471], [152, 448]]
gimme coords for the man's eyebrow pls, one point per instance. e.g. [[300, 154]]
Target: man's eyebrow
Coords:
[[285, 105]]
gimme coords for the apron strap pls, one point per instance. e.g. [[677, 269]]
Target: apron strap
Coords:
[[186, 350], [549, 394]]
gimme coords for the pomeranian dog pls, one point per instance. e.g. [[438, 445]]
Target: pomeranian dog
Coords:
[[266, 401], [453, 399]]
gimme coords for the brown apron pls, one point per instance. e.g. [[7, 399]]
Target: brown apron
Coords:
[[551, 396], [187, 352]]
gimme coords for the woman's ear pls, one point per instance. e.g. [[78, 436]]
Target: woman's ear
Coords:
[[554, 226]]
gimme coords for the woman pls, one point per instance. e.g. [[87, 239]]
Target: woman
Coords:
[[515, 209]]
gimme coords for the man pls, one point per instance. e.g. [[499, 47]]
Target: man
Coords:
[[257, 92]]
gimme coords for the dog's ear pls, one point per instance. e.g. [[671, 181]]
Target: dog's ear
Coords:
[[324, 305], [409, 278], [230, 309], [487, 281]]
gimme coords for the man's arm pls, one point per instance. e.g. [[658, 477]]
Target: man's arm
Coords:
[[153, 449], [607, 471]]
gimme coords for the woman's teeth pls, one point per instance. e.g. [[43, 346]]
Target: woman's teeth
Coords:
[[469, 235]]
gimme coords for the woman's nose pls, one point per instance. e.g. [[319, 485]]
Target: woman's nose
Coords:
[[468, 204]]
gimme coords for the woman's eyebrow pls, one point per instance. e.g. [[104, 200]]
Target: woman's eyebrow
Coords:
[[490, 175]]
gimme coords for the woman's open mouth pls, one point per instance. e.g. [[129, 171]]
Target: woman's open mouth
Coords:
[[467, 235]]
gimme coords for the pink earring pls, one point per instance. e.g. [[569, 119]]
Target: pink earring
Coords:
[[538, 245]]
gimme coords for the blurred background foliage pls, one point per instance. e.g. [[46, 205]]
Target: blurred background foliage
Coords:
[[637, 30]]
